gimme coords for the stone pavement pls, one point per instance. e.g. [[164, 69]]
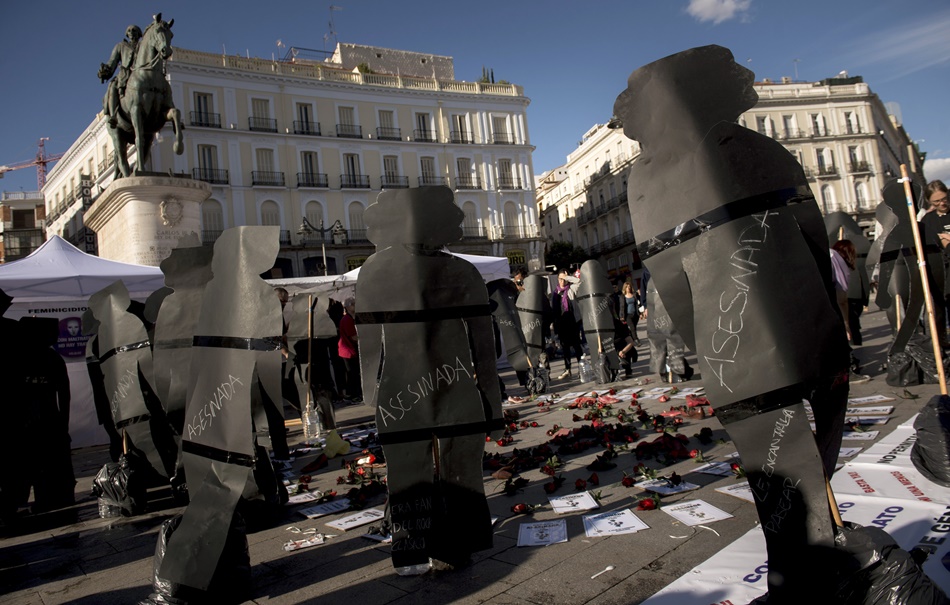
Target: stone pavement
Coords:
[[54, 558]]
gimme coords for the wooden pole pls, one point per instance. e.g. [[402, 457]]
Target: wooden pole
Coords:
[[897, 309], [922, 265], [309, 347]]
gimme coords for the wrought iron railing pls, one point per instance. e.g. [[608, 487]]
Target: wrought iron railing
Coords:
[[467, 181], [210, 236], [312, 179], [429, 181], [349, 131], [211, 175], [508, 182], [262, 124], [394, 182], [267, 178], [208, 120], [502, 138], [460, 136], [310, 128], [475, 232], [354, 181], [423, 136], [388, 134]]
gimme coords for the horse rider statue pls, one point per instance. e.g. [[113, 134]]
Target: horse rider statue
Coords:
[[138, 102], [122, 56]]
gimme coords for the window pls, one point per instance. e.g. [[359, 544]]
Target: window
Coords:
[[204, 103], [511, 219], [460, 132], [305, 123], [309, 163], [212, 218], [424, 128], [347, 127], [357, 227], [762, 125], [851, 124], [470, 225], [506, 179], [427, 167], [827, 198], [465, 179], [390, 166], [351, 164], [860, 195], [387, 130], [314, 213], [204, 115], [500, 132], [826, 160], [817, 125], [788, 123], [260, 119], [265, 160], [270, 213]]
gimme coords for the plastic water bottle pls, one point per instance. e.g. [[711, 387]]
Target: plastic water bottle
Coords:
[[311, 422], [414, 570], [587, 373]]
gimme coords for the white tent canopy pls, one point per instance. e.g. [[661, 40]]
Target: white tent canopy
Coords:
[[56, 280], [341, 286], [57, 270]]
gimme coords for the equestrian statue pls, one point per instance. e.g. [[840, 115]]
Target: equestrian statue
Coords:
[[138, 101]]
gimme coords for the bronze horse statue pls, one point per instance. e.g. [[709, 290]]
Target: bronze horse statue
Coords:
[[147, 103]]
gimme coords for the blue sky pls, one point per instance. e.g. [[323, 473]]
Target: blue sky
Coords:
[[572, 58]]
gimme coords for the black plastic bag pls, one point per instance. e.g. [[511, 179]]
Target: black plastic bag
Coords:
[[231, 582], [120, 486], [931, 451], [885, 574], [537, 381], [903, 371]]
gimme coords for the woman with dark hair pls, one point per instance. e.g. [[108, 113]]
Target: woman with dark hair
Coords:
[[935, 227]]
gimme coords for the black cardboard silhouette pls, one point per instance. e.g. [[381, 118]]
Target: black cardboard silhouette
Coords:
[[237, 357], [737, 250], [597, 313], [425, 332], [503, 295]]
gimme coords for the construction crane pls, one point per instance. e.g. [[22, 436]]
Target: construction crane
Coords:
[[40, 161]]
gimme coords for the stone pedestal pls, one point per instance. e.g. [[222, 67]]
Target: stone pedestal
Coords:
[[140, 219]]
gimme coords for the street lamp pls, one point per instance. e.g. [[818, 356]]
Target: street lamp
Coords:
[[307, 228]]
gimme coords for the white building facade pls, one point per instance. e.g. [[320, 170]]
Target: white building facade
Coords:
[[840, 132], [282, 142]]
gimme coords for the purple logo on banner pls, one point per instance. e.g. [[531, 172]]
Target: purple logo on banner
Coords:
[[71, 342]]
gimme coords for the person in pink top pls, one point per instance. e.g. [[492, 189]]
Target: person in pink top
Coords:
[[349, 351]]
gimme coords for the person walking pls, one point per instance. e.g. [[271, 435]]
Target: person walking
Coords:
[[349, 351]]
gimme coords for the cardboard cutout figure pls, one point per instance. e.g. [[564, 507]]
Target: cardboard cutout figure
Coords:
[[126, 362], [100, 399], [894, 253], [667, 349], [503, 297], [426, 340], [14, 475], [45, 396], [323, 332], [236, 352], [736, 247], [597, 312], [534, 311]]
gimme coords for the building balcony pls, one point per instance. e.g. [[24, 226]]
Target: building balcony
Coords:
[[820, 132], [309, 128], [312, 179], [211, 175], [208, 120], [210, 236], [849, 129], [827, 171], [858, 167], [316, 239], [600, 210], [262, 124], [508, 182], [613, 202], [19, 243], [473, 232], [502, 138], [423, 136], [518, 231], [285, 237], [103, 166], [349, 131], [356, 236], [460, 136], [267, 178], [388, 134], [809, 173], [432, 181], [394, 182], [467, 181], [354, 181], [791, 135]]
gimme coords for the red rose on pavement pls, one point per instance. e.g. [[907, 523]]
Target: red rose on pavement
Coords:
[[580, 484], [664, 398], [693, 453], [594, 480], [628, 481], [648, 503]]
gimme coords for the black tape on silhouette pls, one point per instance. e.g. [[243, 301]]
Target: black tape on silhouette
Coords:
[[214, 453], [719, 216], [124, 349], [236, 342]]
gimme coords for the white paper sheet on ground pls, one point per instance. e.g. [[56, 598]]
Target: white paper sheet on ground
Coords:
[[732, 455], [859, 436], [741, 491], [542, 533], [684, 393], [361, 518], [573, 502], [629, 391], [613, 523], [663, 487], [695, 512], [876, 410], [870, 399], [738, 572], [859, 420], [304, 497], [847, 452], [720, 469], [655, 392], [327, 508]]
